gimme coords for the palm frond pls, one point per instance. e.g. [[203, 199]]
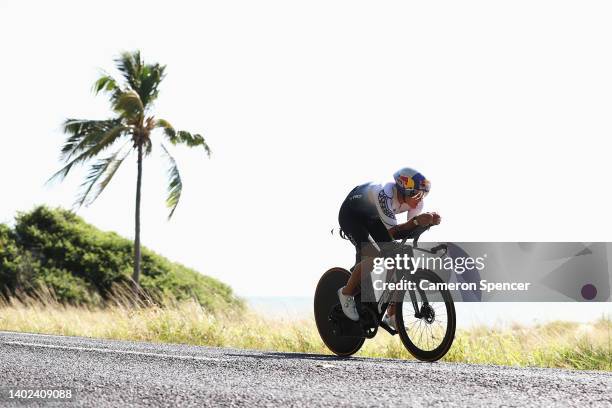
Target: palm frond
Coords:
[[129, 64], [83, 134], [105, 83], [148, 147], [142, 78], [104, 167], [175, 185], [182, 136], [167, 128], [109, 173], [128, 103], [107, 139], [151, 77], [109, 85]]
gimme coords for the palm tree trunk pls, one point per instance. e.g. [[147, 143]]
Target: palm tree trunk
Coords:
[[137, 255]]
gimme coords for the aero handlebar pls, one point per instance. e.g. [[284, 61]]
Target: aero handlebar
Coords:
[[415, 234]]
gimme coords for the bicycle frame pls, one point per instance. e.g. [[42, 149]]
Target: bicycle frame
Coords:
[[386, 296]]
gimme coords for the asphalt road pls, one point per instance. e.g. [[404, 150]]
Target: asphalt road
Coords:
[[119, 373]]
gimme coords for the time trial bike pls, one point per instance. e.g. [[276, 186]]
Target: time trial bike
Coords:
[[425, 319]]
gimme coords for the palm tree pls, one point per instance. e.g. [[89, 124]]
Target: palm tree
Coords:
[[131, 130]]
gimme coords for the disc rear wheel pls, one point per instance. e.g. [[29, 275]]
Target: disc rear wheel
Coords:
[[326, 297]]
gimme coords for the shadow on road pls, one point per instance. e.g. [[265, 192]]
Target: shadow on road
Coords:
[[298, 356]]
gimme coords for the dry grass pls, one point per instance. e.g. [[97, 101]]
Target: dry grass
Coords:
[[557, 344]]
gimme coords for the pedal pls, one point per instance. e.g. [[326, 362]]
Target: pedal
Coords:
[[388, 328], [368, 321], [342, 325]]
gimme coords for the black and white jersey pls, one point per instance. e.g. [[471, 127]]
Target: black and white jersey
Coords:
[[380, 201]]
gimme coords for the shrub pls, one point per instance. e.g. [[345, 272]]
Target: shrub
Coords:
[[57, 249]]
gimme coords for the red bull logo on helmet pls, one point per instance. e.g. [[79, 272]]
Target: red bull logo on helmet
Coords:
[[407, 182], [420, 182]]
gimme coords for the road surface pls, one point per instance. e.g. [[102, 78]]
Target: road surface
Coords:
[[120, 373]]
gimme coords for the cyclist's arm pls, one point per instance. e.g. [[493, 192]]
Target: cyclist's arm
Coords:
[[399, 231]]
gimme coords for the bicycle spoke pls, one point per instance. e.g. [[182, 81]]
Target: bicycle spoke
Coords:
[[412, 325], [427, 336], [417, 326], [433, 337], [420, 335]]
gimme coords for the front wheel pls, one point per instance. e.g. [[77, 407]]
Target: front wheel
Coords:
[[426, 319]]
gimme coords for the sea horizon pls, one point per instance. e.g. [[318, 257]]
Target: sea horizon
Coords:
[[468, 314]]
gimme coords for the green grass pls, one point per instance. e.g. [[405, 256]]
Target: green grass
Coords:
[[557, 344]]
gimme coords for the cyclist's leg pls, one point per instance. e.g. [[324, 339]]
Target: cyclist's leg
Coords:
[[362, 229], [380, 234], [354, 282], [354, 227]]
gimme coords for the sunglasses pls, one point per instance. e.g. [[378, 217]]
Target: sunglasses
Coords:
[[418, 194]]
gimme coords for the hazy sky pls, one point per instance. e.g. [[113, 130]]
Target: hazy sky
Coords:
[[505, 106]]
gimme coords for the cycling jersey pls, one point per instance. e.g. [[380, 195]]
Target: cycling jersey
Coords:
[[374, 200], [369, 211]]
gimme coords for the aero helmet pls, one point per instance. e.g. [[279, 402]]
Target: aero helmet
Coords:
[[409, 182]]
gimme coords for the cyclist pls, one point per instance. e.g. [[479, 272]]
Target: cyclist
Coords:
[[369, 210]]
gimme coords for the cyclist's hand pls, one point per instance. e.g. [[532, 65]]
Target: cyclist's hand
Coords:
[[425, 219], [436, 218]]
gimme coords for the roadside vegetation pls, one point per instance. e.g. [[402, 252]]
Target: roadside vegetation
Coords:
[[53, 251], [557, 344]]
